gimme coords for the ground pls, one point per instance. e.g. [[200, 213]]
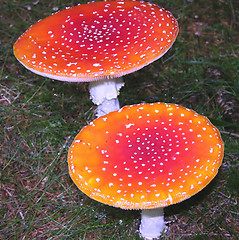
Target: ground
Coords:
[[40, 117]]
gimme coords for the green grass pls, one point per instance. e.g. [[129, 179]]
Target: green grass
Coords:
[[40, 117]]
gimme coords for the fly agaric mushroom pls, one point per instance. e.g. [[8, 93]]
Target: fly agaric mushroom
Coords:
[[146, 156], [98, 42]]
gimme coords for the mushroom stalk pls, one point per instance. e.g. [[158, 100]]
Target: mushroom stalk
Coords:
[[152, 223], [104, 94]]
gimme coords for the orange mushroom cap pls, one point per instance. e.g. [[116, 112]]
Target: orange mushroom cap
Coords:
[[93, 41], [145, 156]]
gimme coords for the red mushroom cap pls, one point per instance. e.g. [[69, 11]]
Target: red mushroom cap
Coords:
[[145, 156], [97, 40]]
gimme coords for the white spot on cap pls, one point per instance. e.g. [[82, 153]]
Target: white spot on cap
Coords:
[[129, 125], [96, 64]]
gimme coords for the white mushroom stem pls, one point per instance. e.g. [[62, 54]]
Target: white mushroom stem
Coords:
[[104, 94], [152, 223]]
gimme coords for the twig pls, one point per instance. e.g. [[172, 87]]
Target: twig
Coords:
[[230, 133]]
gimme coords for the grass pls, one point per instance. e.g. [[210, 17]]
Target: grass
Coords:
[[40, 117]]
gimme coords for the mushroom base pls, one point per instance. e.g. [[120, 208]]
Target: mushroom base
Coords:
[[104, 94], [152, 223]]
